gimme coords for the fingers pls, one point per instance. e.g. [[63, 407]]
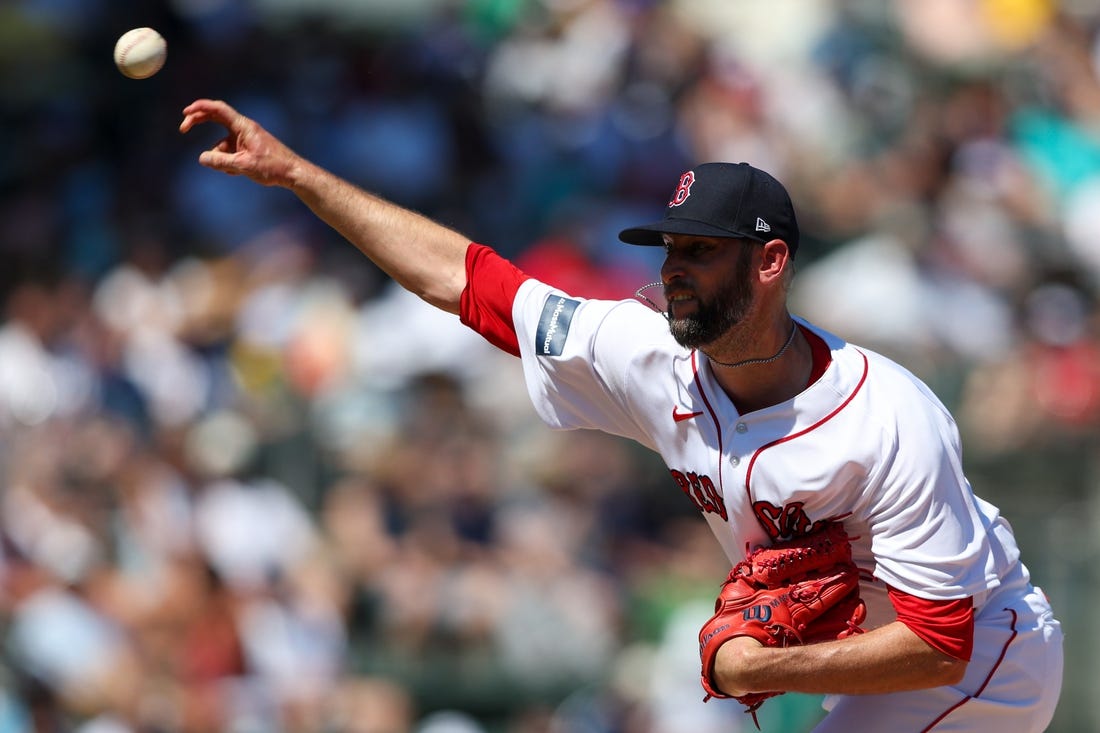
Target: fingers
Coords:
[[223, 156], [221, 161], [247, 149], [208, 110]]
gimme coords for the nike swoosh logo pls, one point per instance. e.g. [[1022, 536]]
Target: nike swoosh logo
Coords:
[[681, 416]]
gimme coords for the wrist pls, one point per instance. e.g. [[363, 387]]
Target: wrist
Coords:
[[297, 175], [734, 666]]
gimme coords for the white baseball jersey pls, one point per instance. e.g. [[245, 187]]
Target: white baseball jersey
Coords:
[[867, 442]]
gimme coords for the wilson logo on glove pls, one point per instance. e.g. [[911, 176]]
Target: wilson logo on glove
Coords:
[[760, 613]]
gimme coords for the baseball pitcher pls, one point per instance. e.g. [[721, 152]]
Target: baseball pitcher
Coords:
[[863, 566]]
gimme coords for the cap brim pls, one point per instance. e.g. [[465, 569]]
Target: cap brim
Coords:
[[649, 235]]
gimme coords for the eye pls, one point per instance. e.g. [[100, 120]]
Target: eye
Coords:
[[694, 249]]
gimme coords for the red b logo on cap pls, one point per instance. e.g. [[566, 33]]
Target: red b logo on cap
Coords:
[[683, 190]]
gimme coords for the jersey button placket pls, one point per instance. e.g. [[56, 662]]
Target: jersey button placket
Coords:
[[740, 428]]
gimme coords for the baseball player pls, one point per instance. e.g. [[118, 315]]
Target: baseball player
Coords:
[[769, 424]]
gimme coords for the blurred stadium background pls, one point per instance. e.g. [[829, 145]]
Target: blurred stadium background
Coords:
[[248, 486]]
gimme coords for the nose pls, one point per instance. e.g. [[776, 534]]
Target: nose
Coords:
[[672, 268]]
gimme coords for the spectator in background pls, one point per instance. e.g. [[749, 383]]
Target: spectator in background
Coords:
[[953, 154]]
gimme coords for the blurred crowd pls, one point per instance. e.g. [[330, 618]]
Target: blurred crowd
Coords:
[[247, 484]]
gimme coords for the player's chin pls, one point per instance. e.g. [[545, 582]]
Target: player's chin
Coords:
[[682, 309], [687, 331]]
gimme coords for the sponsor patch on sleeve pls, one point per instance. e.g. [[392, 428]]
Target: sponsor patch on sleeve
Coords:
[[554, 325]]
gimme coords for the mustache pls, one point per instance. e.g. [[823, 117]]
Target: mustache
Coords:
[[667, 290], [671, 291]]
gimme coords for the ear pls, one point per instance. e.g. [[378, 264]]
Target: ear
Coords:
[[775, 260]]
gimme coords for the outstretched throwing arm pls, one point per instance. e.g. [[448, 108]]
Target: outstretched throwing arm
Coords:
[[424, 257]]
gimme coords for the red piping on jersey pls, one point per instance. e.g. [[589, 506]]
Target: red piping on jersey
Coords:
[[792, 436], [996, 665], [714, 419]]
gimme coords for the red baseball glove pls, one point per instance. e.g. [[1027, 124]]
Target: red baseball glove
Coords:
[[798, 591]]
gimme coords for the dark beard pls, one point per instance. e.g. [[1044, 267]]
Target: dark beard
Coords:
[[713, 318]]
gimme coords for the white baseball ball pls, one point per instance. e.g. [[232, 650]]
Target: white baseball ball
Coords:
[[140, 53]]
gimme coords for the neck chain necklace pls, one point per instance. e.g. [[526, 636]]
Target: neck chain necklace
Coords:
[[768, 360], [640, 293]]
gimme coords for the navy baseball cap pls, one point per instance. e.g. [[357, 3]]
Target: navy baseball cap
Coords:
[[724, 200]]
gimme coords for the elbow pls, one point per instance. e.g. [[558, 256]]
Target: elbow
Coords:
[[950, 671], [442, 302], [445, 294]]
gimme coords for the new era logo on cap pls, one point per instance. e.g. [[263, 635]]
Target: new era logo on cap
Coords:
[[724, 200]]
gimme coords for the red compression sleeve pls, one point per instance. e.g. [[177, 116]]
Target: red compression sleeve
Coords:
[[486, 303], [946, 626]]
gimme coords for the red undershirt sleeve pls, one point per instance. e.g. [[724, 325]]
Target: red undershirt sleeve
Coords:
[[486, 303], [946, 626]]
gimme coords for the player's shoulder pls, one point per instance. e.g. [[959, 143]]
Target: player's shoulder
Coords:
[[617, 336], [551, 307], [890, 384]]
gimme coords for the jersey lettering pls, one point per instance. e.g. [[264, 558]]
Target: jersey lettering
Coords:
[[683, 190], [783, 522], [702, 492]]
